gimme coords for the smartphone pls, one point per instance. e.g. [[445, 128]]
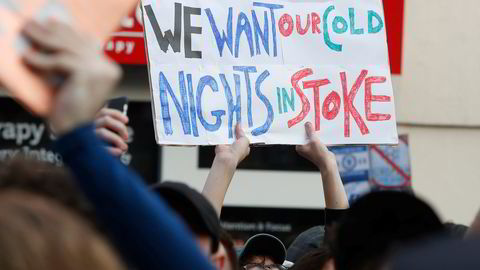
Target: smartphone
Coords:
[[119, 104]]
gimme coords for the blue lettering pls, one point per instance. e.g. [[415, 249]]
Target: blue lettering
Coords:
[[271, 7], [243, 25], [259, 34], [224, 39], [182, 112], [193, 111], [233, 108], [210, 81], [264, 128], [246, 71]]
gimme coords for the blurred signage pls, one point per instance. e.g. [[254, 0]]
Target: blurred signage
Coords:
[[127, 45], [243, 222], [22, 134], [390, 166]]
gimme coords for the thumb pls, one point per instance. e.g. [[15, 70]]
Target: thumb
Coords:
[[239, 133], [309, 130]]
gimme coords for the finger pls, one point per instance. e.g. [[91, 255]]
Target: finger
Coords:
[[309, 129], [115, 114], [239, 133], [116, 152], [49, 62], [42, 36], [113, 124], [112, 138]]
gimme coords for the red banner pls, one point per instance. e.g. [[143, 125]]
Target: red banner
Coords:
[[128, 46]]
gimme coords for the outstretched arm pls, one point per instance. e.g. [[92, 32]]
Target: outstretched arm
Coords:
[[227, 158], [318, 154]]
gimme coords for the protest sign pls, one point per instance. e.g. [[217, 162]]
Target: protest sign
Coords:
[[97, 18], [271, 66]]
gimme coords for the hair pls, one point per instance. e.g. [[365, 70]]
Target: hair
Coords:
[[227, 243], [37, 233], [46, 180], [313, 260], [246, 260], [378, 223]]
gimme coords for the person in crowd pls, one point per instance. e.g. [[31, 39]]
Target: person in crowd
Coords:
[[227, 250], [47, 180], [195, 211], [306, 242], [378, 224], [317, 259], [37, 233], [202, 220], [438, 254], [263, 251], [227, 158], [144, 229]]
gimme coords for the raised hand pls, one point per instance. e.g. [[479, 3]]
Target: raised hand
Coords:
[[111, 127], [316, 152], [87, 77]]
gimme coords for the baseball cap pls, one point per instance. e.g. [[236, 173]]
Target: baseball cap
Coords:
[[195, 210], [306, 242], [264, 245]]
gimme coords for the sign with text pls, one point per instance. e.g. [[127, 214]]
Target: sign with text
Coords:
[[271, 66], [96, 18]]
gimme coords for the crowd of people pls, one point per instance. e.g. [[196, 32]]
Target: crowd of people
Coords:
[[97, 214]]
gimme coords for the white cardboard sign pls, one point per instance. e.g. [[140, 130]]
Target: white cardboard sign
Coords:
[[271, 66]]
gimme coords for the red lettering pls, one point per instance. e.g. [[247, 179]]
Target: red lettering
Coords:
[[285, 19], [305, 104], [332, 98], [348, 99], [369, 98], [299, 25], [316, 97], [315, 22]]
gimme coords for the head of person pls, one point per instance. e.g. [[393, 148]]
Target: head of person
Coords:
[[37, 233], [47, 180], [378, 224], [226, 256], [317, 259], [263, 251], [195, 211], [306, 242]]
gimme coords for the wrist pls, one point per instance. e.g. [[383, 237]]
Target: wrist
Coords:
[[329, 165], [226, 160]]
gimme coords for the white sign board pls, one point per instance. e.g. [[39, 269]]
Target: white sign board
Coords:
[[271, 66]]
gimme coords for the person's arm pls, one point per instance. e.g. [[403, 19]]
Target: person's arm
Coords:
[[318, 154], [227, 158], [143, 227]]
